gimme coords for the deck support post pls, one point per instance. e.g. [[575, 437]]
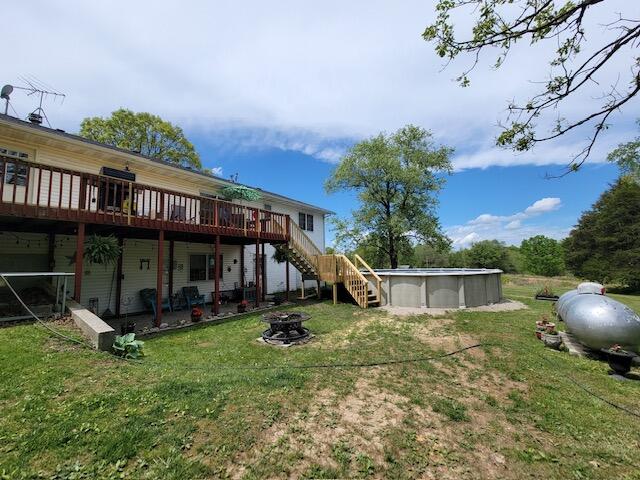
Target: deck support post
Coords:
[[335, 293], [263, 271], [242, 283], [318, 286], [286, 281], [216, 266], [119, 278], [171, 261], [77, 292], [257, 272], [158, 318]]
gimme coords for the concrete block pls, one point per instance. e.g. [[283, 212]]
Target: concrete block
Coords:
[[99, 333]]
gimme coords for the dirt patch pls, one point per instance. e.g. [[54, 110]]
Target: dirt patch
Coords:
[[358, 421], [506, 306]]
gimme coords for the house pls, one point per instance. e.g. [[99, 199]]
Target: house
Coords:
[[57, 189]]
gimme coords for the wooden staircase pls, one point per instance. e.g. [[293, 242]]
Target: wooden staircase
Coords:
[[364, 287]]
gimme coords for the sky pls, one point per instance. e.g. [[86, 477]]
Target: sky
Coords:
[[278, 91]]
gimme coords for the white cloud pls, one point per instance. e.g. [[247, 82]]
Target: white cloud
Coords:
[[466, 240], [316, 74], [542, 206], [510, 229], [217, 171]]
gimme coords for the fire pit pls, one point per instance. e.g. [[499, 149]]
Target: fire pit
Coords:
[[285, 327]]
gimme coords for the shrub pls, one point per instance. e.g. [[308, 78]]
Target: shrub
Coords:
[[127, 346]]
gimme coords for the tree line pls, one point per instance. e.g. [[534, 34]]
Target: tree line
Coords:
[[604, 246]]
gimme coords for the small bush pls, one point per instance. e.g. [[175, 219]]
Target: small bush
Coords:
[[127, 346]]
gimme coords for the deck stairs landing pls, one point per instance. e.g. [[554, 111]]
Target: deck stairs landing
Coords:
[[358, 278]]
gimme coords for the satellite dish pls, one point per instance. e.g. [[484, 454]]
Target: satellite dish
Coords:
[[6, 91]]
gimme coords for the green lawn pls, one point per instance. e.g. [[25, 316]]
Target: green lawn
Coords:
[[201, 405]]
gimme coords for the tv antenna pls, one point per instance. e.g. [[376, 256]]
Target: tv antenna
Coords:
[[33, 87]]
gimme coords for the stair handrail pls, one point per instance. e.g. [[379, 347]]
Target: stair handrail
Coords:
[[370, 270], [304, 244], [351, 272]]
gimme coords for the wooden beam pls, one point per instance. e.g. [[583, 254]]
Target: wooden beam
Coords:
[[286, 282], [77, 292], [263, 282], [216, 266], [119, 279], [159, 277], [257, 272], [241, 266], [171, 261]]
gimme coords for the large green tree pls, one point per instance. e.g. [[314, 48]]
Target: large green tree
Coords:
[[542, 256], [144, 133], [575, 66], [627, 156], [396, 177], [605, 245], [489, 254]]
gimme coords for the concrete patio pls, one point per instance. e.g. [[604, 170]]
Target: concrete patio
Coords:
[[144, 323]]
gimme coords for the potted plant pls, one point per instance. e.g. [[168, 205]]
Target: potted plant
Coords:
[[546, 293], [619, 359], [242, 306], [541, 326], [551, 339], [196, 314]]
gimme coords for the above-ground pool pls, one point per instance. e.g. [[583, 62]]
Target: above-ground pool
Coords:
[[440, 287]]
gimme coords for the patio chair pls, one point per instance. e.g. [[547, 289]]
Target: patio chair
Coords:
[[148, 296], [192, 297]]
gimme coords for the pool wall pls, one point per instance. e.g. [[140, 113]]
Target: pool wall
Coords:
[[440, 288]]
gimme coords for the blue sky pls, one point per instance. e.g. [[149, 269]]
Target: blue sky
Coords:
[[278, 91], [497, 191]]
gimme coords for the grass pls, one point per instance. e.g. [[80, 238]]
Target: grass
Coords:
[[200, 406]]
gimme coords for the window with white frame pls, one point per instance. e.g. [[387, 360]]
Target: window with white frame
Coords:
[[305, 221], [13, 173], [202, 267]]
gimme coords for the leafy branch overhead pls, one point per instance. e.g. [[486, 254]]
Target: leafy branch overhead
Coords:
[[501, 24], [396, 177], [240, 192], [143, 133]]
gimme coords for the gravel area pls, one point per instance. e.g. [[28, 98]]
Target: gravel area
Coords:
[[505, 306]]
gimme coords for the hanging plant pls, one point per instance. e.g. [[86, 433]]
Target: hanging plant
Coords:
[[240, 192], [102, 250], [280, 255]]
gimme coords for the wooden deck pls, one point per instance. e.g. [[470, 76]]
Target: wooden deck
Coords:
[[30, 190]]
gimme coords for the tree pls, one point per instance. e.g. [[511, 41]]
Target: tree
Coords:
[[605, 245], [489, 254], [396, 177], [542, 256], [143, 133], [501, 24], [627, 156], [429, 256]]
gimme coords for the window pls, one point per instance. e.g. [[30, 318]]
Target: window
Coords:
[[16, 174], [305, 221], [197, 268], [267, 206], [13, 173], [202, 267]]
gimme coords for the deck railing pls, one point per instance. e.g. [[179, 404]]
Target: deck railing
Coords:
[[43, 191]]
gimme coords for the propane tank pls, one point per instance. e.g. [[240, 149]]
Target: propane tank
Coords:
[[598, 322]]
